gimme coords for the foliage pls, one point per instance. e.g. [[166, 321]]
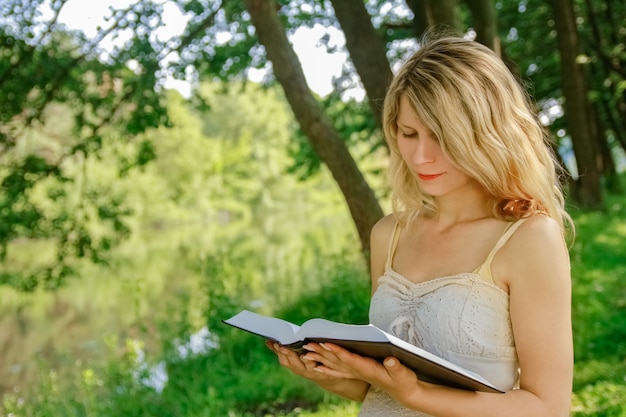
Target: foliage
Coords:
[[212, 382], [65, 96], [44, 65], [195, 212], [602, 55], [352, 120], [603, 399]]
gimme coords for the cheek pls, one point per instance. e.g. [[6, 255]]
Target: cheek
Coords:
[[405, 149]]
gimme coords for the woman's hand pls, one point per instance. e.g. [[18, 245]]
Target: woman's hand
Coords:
[[299, 364], [390, 376], [342, 383]]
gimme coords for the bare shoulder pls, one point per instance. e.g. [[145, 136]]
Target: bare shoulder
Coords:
[[536, 251], [538, 234], [383, 228], [380, 236], [379, 244]]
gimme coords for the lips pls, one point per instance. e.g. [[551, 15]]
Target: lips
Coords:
[[428, 177]]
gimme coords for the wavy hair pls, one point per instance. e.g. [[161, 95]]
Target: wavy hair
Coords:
[[485, 124]]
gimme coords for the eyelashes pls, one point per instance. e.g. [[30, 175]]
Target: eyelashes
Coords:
[[411, 135]]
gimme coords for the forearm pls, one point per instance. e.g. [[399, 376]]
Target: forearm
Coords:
[[450, 402], [352, 389]]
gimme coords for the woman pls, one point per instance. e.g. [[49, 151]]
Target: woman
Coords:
[[472, 265]]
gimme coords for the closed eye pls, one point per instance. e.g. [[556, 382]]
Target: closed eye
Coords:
[[409, 135]]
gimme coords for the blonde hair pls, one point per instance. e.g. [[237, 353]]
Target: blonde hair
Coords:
[[485, 124]]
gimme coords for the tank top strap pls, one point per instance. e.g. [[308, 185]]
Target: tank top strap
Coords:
[[484, 270], [393, 243]]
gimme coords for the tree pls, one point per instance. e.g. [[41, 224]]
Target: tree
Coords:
[[604, 42], [485, 23], [359, 196], [367, 51], [43, 63], [582, 126], [525, 45], [43, 66]]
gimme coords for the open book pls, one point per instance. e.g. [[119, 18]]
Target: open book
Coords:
[[365, 340]]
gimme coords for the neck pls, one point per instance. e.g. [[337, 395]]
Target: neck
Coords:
[[463, 206]]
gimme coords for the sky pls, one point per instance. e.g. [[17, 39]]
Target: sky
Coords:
[[318, 65]]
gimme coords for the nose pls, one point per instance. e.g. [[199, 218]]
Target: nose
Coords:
[[424, 151]]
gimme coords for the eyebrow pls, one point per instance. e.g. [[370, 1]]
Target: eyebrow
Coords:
[[405, 127]]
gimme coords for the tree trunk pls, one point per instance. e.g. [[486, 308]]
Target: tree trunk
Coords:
[[430, 13], [485, 23], [445, 12], [367, 51], [577, 108], [324, 139], [423, 18], [608, 67], [609, 169]]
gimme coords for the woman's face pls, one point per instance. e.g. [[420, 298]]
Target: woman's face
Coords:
[[422, 154]]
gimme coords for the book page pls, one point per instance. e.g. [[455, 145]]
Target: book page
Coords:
[[268, 327], [341, 331]]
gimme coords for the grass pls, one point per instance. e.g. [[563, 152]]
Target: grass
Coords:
[[599, 311]]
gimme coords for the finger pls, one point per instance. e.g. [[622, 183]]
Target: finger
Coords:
[[398, 372], [401, 382], [273, 346], [398, 375], [336, 361], [309, 363], [356, 362], [323, 352], [281, 353], [335, 373], [290, 357]]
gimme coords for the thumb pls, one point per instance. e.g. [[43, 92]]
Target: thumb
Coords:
[[391, 364], [402, 382], [398, 372]]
